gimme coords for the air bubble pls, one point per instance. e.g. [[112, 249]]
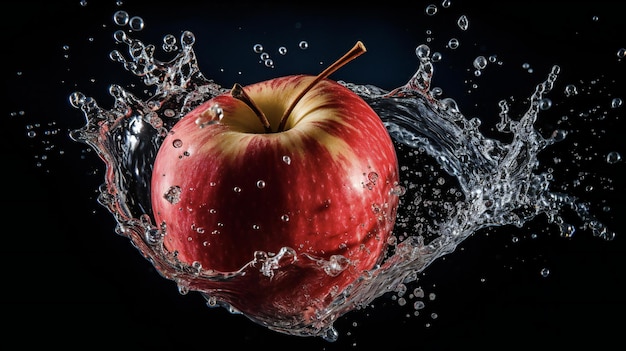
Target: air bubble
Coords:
[[303, 45], [621, 53], [257, 48], [260, 184], [282, 50], [287, 159]]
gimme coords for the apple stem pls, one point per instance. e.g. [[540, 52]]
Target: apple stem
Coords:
[[238, 93], [357, 50]]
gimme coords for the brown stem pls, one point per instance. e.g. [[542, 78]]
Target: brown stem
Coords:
[[238, 93], [357, 50]]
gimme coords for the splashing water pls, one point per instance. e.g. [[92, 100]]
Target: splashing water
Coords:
[[460, 180]]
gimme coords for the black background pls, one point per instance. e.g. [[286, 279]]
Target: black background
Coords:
[[69, 280]]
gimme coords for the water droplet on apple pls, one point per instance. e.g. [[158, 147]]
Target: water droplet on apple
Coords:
[[336, 264], [173, 194], [256, 227], [177, 143], [260, 184], [373, 177], [237, 189], [284, 218], [287, 159]]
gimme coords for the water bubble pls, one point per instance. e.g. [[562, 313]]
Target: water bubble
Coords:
[[119, 36], [463, 22], [257, 48], [121, 18], [621, 53], [136, 23], [177, 143], [431, 9], [284, 218], [544, 272], [616, 102], [260, 184], [436, 57], [169, 43], [282, 50], [422, 51], [545, 103], [480, 62], [287, 159], [269, 63], [453, 43], [446, 3], [303, 45], [613, 157], [571, 90], [237, 189]]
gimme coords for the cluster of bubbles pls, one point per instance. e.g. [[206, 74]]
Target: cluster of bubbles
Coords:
[[266, 59]]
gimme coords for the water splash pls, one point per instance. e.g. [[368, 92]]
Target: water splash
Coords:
[[457, 181]]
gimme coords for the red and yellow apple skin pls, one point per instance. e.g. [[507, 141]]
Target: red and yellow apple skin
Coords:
[[224, 192]]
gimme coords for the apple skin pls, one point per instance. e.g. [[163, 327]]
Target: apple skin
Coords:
[[323, 187]]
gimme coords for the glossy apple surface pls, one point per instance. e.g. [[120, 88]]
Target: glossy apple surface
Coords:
[[229, 196]]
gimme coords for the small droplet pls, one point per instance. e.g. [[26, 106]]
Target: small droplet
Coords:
[[287, 159], [545, 272], [257, 48], [237, 189], [480, 62], [545, 103], [284, 218], [431, 9], [616, 102], [303, 45], [463, 22], [453, 43], [121, 18], [613, 157], [621, 53], [282, 50], [136, 23], [260, 184], [177, 143], [571, 90]]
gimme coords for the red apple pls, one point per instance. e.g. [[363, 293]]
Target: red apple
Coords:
[[299, 206]]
